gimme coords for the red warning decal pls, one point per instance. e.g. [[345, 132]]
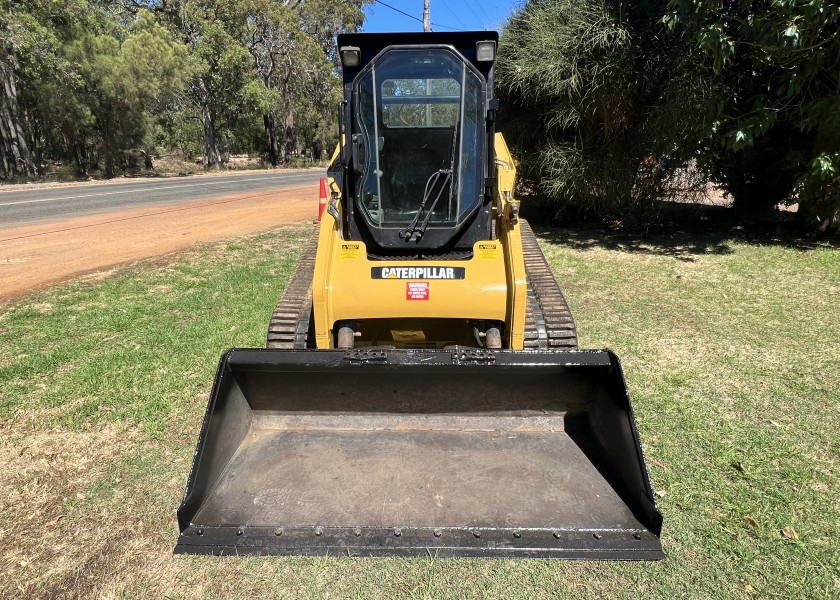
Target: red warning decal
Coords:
[[417, 290]]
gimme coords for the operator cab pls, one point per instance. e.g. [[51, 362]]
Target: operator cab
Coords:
[[416, 173]]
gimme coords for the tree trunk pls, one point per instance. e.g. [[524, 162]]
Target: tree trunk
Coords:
[[81, 157], [289, 121], [271, 139], [17, 158], [109, 160], [7, 157], [37, 144], [211, 146], [290, 134]]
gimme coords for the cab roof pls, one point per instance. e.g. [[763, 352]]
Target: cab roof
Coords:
[[372, 44]]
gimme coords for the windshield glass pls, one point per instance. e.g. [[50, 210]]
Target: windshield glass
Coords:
[[421, 121]]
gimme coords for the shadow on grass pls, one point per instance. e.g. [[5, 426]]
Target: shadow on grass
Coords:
[[688, 231]]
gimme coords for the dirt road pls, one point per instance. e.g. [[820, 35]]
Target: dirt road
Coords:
[[33, 256]]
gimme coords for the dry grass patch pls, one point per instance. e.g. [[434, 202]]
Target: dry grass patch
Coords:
[[47, 476]]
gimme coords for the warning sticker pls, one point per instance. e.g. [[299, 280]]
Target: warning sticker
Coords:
[[417, 290], [350, 251], [488, 251]]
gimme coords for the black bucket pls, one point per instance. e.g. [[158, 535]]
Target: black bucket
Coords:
[[457, 452]]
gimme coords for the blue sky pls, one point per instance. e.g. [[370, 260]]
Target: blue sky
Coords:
[[462, 15]]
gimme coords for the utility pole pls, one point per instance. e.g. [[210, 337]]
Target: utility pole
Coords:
[[427, 26]]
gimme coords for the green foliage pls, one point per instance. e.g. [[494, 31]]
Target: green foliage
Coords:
[[89, 85], [126, 80], [774, 66], [266, 81], [605, 98], [97, 81], [594, 101]]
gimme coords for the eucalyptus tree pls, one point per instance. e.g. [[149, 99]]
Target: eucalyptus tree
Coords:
[[78, 82], [89, 80], [221, 72], [281, 55], [26, 42], [292, 45]]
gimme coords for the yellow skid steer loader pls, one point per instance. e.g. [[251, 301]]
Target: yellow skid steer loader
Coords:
[[422, 390]]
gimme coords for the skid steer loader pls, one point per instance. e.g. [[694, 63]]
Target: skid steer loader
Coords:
[[422, 390]]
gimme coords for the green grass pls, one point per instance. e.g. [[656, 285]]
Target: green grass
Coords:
[[730, 347]]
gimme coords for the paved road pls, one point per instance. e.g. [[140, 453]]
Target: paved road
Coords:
[[52, 234], [18, 207]]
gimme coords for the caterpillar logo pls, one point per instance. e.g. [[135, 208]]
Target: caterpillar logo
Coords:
[[417, 273]]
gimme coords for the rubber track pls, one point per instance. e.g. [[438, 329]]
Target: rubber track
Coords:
[[548, 321], [289, 325]]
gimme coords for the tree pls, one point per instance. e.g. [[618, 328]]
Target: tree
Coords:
[[22, 34], [15, 159], [125, 80], [221, 70], [292, 45], [620, 92], [86, 81], [281, 53], [774, 134], [77, 82], [594, 97]]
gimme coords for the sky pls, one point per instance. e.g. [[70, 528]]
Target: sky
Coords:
[[447, 15]]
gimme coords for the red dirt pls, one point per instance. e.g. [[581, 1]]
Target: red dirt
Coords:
[[32, 256]]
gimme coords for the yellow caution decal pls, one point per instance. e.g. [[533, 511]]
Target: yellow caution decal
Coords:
[[350, 251], [487, 251]]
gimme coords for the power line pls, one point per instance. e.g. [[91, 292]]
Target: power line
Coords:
[[418, 19], [475, 14], [457, 18], [486, 16], [398, 10], [446, 27]]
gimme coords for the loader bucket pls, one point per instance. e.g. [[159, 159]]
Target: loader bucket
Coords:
[[459, 452]]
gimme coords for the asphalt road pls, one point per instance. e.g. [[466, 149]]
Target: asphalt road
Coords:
[[26, 206]]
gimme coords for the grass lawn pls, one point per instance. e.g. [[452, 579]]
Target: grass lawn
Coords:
[[731, 348]]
